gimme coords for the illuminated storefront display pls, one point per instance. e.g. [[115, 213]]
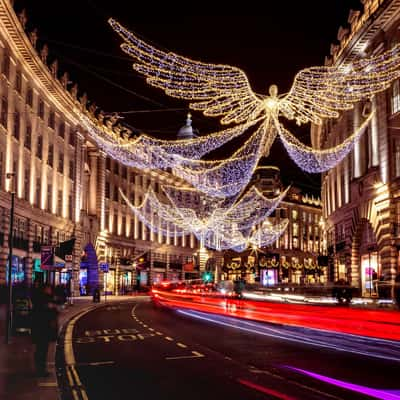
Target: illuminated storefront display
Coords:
[[370, 267]]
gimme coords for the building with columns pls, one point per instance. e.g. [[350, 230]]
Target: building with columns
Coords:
[[361, 195], [293, 258], [65, 187]]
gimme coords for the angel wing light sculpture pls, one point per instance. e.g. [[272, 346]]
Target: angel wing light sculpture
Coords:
[[224, 91]]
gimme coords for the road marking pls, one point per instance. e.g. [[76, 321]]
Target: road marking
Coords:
[[77, 380], [151, 329], [47, 384], [95, 363], [69, 376], [75, 394], [181, 345], [196, 353], [169, 338], [159, 333], [140, 336], [84, 395], [145, 326]]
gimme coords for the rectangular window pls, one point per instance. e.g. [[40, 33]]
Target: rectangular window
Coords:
[[115, 168], [107, 190], [71, 138], [71, 169], [28, 137], [61, 130], [70, 206], [38, 190], [61, 163], [26, 182], [124, 172], [115, 194], [49, 197], [29, 97], [4, 112], [50, 158], [18, 81], [17, 125], [6, 65], [395, 101], [39, 147], [52, 119], [59, 202], [41, 109], [397, 157], [108, 163]]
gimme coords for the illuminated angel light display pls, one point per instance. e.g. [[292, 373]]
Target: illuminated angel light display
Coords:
[[224, 91], [218, 224]]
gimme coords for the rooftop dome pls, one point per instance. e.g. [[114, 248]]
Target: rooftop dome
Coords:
[[187, 131]]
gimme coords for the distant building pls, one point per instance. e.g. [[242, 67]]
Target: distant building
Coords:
[[293, 258], [187, 131], [65, 186], [361, 195]]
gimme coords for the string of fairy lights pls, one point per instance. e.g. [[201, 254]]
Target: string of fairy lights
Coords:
[[219, 226], [224, 91]]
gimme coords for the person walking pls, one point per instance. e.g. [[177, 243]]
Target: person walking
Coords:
[[44, 326]]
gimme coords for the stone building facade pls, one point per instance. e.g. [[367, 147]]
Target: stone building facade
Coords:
[[361, 195], [65, 187], [293, 258]]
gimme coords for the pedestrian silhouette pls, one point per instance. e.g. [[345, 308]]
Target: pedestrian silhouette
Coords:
[[44, 326]]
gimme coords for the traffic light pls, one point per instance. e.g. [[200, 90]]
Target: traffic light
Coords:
[[207, 276]]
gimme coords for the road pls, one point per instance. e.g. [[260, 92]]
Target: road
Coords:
[[139, 350]]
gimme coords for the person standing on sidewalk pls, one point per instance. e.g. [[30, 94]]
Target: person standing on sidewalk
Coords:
[[44, 326]]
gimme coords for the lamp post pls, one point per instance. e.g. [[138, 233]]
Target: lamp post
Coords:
[[10, 175]]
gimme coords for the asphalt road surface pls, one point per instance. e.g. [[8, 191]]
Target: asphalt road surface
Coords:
[[137, 350]]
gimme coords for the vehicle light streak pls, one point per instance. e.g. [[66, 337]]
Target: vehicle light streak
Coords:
[[370, 347], [265, 390], [377, 393], [382, 324]]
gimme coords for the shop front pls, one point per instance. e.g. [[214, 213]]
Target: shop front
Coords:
[[370, 270]]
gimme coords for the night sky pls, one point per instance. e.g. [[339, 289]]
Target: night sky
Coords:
[[270, 46]]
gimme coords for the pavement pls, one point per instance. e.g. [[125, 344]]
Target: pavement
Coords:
[[17, 373]]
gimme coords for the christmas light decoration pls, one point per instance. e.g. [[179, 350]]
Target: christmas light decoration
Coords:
[[215, 224], [222, 90], [312, 160], [220, 178]]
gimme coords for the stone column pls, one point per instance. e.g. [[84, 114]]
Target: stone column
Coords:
[[383, 139], [29, 260], [136, 233], [358, 162], [4, 248], [76, 260], [374, 135], [93, 182], [78, 175], [167, 272], [101, 190]]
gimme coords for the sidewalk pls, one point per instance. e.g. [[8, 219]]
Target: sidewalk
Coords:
[[17, 374]]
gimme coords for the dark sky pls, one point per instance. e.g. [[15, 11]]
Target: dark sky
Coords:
[[270, 45]]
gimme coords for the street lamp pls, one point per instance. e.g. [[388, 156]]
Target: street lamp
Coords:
[[10, 175]]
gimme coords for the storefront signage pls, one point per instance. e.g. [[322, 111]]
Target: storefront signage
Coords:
[[46, 257], [104, 267]]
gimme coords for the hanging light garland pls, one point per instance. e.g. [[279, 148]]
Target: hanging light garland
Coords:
[[220, 227], [314, 161]]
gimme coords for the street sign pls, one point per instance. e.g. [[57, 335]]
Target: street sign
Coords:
[[104, 267], [46, 257]]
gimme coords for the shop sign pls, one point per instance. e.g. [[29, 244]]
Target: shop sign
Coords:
[[46, 257], [104, 267]]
